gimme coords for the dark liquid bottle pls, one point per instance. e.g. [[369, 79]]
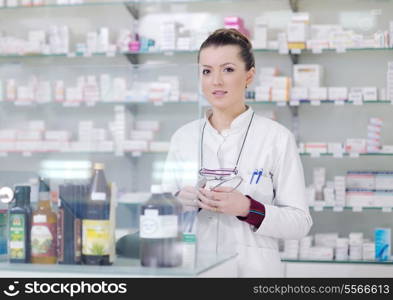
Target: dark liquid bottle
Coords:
[[29, 211], [96, 235], [159, 231], [18, 226]]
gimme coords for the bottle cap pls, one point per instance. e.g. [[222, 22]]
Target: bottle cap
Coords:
[[22, 192], [156, 189], [44, 186], [98, 166]]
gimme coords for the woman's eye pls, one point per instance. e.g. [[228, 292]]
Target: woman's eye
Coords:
[[205, 71], [229, 70]]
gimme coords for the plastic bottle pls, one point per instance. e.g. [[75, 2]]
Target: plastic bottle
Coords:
[[44, 229], [159, 231], [96, 234], [177, 257], [18, 227], [188, 230]]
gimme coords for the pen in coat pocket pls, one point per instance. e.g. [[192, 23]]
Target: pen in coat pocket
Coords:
[[253, 174], [259, 176]]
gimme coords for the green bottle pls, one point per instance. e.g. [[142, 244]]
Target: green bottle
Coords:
[[19, 227], [3, 228]]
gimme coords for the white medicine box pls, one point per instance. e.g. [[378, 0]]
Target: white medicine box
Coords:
[[308, 75]]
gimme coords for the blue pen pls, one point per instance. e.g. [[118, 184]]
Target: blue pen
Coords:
[[259, 175], [253, 174]]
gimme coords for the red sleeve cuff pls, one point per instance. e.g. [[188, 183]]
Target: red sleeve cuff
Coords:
[[256, 213]]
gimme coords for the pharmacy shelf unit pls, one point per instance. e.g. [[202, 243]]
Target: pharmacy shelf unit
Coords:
[[98, 129], [327, 121]]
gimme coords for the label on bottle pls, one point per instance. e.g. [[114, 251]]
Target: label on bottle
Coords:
[[17, 236], [154, 226], [98, 196], [95, 237], [39, 219], [43, 239], [189, 250], [62, 243]]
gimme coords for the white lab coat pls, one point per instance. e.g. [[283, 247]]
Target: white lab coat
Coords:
[[269, 146]]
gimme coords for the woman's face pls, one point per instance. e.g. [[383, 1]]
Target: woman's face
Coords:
[[224, 76]]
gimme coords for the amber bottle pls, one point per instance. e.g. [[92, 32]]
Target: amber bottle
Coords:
[[44, 229]]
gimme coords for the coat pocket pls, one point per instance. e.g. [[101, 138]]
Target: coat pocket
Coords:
[[262, 191], [258, 262]]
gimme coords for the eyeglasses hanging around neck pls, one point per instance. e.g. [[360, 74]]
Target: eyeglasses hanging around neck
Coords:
[[241, 149], [218, 172], [223, 175]]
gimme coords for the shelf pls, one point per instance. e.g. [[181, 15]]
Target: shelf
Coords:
[[69, 55], [367, 262], [174, 51], [346, 102], [350, 208], [112, 3], [316, 103], [90, 104], [255, 50], [339, 51], [353, 155], [157, 52], [100, 54], [4, 154], [93, 104]]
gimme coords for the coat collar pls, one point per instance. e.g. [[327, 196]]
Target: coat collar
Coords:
[[238, 124]]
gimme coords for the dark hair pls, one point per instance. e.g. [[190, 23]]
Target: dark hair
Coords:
[[224, 37]]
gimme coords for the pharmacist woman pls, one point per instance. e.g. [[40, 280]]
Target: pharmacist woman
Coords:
[[249, 181]]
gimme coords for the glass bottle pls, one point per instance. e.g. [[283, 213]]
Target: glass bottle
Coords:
[[96, 237], [159, 231], [29, 211], [18, 227], [44, 229]]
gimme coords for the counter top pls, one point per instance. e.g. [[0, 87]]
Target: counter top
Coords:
[[123, 267]]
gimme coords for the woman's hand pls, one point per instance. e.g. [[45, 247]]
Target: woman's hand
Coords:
[[188, 196], [224, 200]]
